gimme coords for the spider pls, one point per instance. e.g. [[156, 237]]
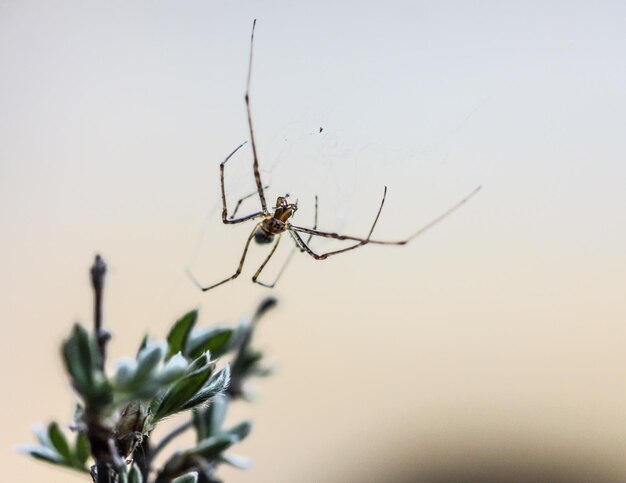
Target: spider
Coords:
[[276, 221]]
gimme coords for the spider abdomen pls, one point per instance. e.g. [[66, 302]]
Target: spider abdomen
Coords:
[[262, 237]]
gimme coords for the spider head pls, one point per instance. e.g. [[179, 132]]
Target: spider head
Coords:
[[284, 210]]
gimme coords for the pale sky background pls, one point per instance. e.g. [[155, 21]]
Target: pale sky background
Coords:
[[500, 333]]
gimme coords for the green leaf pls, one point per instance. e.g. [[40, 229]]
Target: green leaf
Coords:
[[147, 361], [210, 339], [241, 430], [144, 344], [211, 447], [215, 385], [125, 373], [82, 449], [241, 336], [258, 371], [177, 338], [82, 358], [247, 361], [199, 363], [122, 475], [173, 369], [78, 360], [59, 441], [181, 391], [139, 380], [45, 454], [188, 478], [41, 432], [199, 423], [134, 475], [239, 462], [216, 413]]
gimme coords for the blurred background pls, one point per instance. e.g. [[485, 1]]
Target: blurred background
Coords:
[[489, 349]]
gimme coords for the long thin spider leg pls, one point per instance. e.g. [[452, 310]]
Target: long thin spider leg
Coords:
[[297, 242], [361, 243], [443, 216], [241, 201], [380, 208], [305, 245], [292, 252], [257, 175], [258, 272], [225, 218], [419, 232], [314, 220], [236, 274]]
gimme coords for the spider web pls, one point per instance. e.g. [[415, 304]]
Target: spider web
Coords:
[[300, 160]]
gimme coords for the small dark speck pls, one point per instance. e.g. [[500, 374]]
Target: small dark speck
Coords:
[[321, 129]]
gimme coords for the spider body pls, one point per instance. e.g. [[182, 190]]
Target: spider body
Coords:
[[277, 222], [274, 223]]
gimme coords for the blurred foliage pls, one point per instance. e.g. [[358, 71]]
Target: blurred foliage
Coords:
[[116, 414]]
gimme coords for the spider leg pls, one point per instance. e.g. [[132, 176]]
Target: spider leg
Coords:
[[305, 245], [363, 241], [255, 166], [225, 218], [241, 201], [258, 272], [233, 276]]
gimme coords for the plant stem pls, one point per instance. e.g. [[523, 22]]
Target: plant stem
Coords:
[[102, 445], [98, 272]]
